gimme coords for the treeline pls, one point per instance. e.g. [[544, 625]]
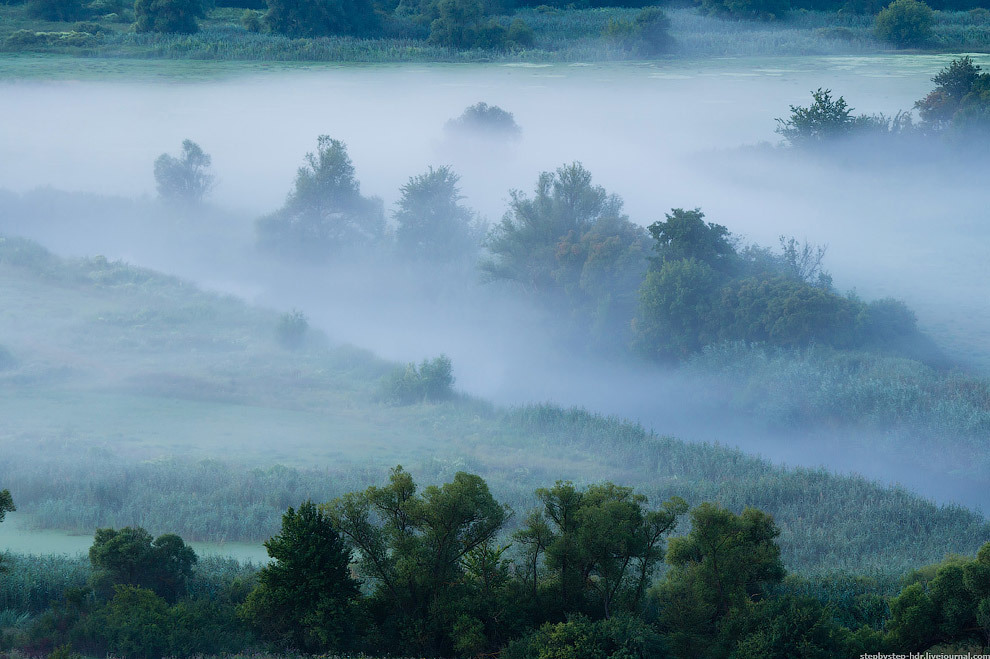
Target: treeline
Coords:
[[593, 572]]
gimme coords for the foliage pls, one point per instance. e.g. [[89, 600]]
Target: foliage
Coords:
[[325, 215], [303, 597], [292, 329], [572, 248], [184, 180], [485, 120], [593, 551], [647, 34], [905, 23], [320, 18], [6, 504], [754, 9], [57, 10], [251, 20], [171, 16], [432, 380], [620, 637], [825, 120], [960, 100], [432, 223], [129, 556], [413, 548]]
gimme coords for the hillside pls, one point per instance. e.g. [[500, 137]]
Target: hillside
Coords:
[[134, 398]]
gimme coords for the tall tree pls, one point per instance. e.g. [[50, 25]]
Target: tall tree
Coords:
[[130, 556], [432, 223], [304, 595], [186, 179]]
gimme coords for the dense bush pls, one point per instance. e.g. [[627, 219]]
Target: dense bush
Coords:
[[57, 10], [184, 180], [760, 9], [905, 23], [321, 18], [960, 102], [432, 380], [178, 16], [485, 120], [129, 556]]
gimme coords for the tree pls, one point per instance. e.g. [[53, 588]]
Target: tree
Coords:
[[676, 306], [725, 564], [960, 100], [321, 18], [756, 9], [325, 214], [599, 548], [571, 247], [6, 506], [685, 235], [185, 180], [905, 23], [303, 598], [432, 223], [415, 548], [485, 120], [130, 556], [57, 10], [168, 16], [824, 120]]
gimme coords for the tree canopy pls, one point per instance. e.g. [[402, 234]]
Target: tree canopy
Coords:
[[186, 179], [129, 556]]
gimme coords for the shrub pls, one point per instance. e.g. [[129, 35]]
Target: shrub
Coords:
[[251, 20], [521, 34], [56, 10], [760, 9], [291, 330], [621, 637], [486, 120], [432, 381], [321, 18], [184, 180], [170, 16], [905, 23]]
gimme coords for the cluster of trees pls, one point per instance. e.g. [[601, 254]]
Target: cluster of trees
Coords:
[[958, 107], [590, 572]]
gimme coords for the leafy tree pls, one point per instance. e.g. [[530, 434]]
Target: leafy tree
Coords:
[[905, 23], [485, 120], [648, 34], [6, 506], [169, 16], [136, 623], [598, 548], [960, 100], [130, 556], [521, 34], [56, 10], [432, 381], [304, 597], [321, 18], [677, 301], [325, 214], [685, 235], [414, 548], [725, 564], [824, 120], [789, 627], [758, 9], [572, 248], [184, 180], [463, 24], [432, 223]]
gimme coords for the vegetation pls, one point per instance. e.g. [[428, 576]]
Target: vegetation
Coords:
[[485, 120], [168, 16], [432, 381], [905, 23], [320, 18], [432, 223], [292, 329], [324, 216], [186, 180]]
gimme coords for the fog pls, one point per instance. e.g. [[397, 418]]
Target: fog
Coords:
[[671, 134]]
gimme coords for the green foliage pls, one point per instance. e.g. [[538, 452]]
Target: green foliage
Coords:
[[57, 10], [432, 380], [130, 556], [185, 180], [251, 20], [685, 235], [825, 120], [432, 223], [6, 504], [325, 215], [647, 34], [755, 9], [303, 597], [170, 16], [960, 100], [485, 120], [791, 627], [905, 23], [415, 550], [675, 302], [320, 18], [292, 329], [621, 637], [573, 249], [598, 548], [521, 34]]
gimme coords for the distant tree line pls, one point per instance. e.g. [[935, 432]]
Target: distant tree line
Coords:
[[396, 569]]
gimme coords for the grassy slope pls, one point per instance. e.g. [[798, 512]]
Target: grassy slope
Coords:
[[135, 398]]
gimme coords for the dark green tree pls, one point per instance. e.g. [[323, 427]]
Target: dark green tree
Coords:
[[6, 506], [905, 23], [415, 548], [621, 637], [686, 235], [185, 180], [321, 18], [826, 119], [960, 100], [129, 556], [755, 9], [324, 215], [432, 223], [177, 16], [57, 10], [485, 120], [304, 596]]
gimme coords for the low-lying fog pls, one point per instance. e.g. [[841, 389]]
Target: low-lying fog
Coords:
[[670, 134]]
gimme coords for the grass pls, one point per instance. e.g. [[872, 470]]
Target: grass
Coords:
[[571, 35]]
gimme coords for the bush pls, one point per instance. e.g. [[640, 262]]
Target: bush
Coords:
[[521, 34], [251, 20], [292, 329], [760, 9], [621, 637], [56, 10], [905, 23], [432, 381], [486, 120], [169, 16], [321, 18], [184, 180]]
